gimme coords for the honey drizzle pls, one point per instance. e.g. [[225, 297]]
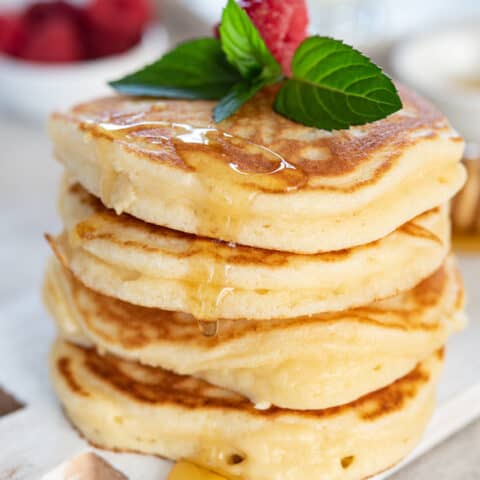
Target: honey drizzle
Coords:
[[227, 167], [185, 470], [229, 155], [207, 280]]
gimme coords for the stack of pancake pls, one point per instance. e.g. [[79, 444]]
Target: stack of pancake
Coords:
[[261, 298]]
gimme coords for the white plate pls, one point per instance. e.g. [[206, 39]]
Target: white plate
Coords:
[[34, 90]]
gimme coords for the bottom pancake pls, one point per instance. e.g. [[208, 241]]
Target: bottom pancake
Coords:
[[123, 405]]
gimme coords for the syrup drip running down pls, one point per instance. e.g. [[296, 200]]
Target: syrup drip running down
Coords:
[[231, 171], [209, 280]]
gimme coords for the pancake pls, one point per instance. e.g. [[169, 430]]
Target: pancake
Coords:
[[302, 363], [258, 178], [120, 405], [158, 267]]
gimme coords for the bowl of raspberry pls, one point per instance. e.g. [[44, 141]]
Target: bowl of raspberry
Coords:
[[53, 53]]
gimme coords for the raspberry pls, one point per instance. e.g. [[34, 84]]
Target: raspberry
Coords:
[[282, 24], [43, 11], [116, 25], [102, 43], [54, 39], [122, 16], [57, 31], [13, 33], [53, 33]]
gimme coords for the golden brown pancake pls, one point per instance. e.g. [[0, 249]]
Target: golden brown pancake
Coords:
[[258, 178], [158, 267], [120, 405], [302, 363]]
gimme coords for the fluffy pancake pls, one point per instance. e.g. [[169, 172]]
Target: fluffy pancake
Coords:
[[301, 363], [158, 267], [121, 405], [258, 178]]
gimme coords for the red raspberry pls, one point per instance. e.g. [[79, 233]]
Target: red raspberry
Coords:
[[116, 25], [43, 11], [126, 16], [104, 43], [282, 24], [54, 33], [13, 33], [56, 39]]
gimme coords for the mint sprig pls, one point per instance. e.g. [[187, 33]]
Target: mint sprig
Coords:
[[245, 50], [244, 46], [197, 69], [238, 95], [333, 85]]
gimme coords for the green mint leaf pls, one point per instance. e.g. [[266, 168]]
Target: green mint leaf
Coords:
[[246, 51], [244, 46], [196, 69], [335, 86], [238, 95]]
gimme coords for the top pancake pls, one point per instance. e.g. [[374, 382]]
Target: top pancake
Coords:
[[258, 178]]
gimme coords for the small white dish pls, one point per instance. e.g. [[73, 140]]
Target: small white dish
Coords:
[[444, 65], [34, 90]]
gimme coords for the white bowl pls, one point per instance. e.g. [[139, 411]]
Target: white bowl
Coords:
[[34, 90], [444, 65]]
